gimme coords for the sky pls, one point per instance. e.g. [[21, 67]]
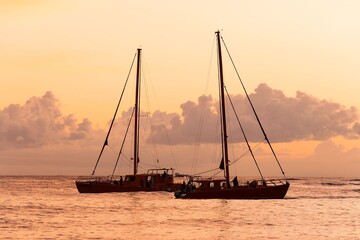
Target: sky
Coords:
[[63, 65]]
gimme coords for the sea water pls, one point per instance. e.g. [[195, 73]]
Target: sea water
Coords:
[[38, 207]]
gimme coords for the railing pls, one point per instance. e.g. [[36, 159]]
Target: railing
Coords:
[[168, 171], [97, 178], [242, 182], [256, 183]]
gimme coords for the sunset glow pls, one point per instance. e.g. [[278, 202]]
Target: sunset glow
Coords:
[[64, 63]]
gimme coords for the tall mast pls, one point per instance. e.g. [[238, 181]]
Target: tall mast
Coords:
[[137, 112], [223, 115]]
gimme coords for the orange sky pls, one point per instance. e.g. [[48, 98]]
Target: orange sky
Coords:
[[81, 52]]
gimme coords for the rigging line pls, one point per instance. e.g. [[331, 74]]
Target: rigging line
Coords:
[[216, 174], [150, 165], [147, 164], [209, 67], [123, 142], [206, 171], [143, 169], [231, 137], [243, 132], [233, 162], [155, 154], [215, 155], [252, 106], [149, 108], [125, 157], [112, 150], [112, 121], [157, 103], [198, 136], [171, 149], [144, 80], [242, 155]]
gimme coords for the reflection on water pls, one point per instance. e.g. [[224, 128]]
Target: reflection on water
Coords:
[[51, 207]]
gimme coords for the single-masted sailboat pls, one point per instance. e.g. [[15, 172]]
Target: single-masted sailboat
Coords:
[[155, 179], [223, 188]]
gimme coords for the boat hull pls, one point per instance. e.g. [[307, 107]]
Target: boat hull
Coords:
[[99, 187], [130, 183], [241, 192]]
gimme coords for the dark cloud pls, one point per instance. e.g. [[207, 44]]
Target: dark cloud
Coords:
[[302, 117], [39, 122]]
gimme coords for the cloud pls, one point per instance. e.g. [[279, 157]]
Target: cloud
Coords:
[[356, 129], [40, 122], [284, 119], [183, 129], [328, 159], [71, 146]]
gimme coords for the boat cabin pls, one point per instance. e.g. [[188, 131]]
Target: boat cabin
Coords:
[[206, 184], [153, 178]]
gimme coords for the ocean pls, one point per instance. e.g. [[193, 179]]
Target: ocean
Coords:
[[49, 207]]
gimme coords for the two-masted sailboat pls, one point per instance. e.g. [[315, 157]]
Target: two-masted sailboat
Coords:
[[156, 179], [223, 188]]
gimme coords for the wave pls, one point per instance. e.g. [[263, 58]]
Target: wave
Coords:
[[293, 179], [334, 184], [323, 197]]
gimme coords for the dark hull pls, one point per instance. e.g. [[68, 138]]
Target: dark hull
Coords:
[[130, 183], [103, 187], [241, 192]]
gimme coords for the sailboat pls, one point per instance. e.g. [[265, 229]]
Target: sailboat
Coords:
[[223, 188], [155, 179]]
